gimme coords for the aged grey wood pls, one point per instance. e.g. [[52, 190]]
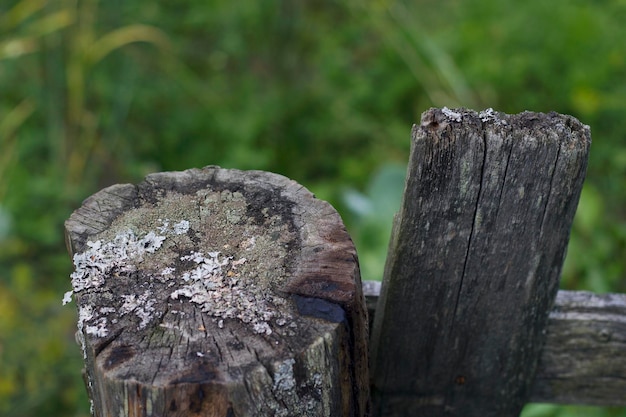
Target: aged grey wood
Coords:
[[584, 358], [215, 292], [474, 261], [371, 292]]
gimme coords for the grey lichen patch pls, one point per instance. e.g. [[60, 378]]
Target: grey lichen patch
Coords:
[[283, 377], [486, 116], [299, 391], [491, 116], [204, 249], [101, 260], [452, 115]]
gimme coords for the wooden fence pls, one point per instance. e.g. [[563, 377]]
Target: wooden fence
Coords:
[[583, 360], [227, 293]]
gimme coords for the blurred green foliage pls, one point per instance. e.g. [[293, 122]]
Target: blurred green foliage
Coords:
[[95, 93]]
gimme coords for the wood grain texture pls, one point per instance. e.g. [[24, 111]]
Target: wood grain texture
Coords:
[[214, 292], [474, 261], [583, 361]]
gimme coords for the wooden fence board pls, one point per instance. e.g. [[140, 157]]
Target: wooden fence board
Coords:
[[584, 359], [474, 261]]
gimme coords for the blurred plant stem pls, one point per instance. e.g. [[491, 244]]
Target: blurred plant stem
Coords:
[[9, 125], [65, 33], [27, 39], [433, 68], [86, 50]]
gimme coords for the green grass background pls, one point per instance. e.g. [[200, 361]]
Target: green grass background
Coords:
[[325, 92]]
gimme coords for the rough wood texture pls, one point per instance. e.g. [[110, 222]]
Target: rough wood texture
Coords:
[[218, 292], [371, 292], [584, 358], [474, 261]]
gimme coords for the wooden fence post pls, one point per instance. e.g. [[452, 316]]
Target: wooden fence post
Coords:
[[218, 292], [474, 262]]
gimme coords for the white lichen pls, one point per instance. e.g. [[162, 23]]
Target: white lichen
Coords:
[[211, 280], [142, 306], [454, 116], [487, 115], [67, 297], [181, 227], [98, 329], [219, 291], [207, 266], [167, 272], [283, 376], [85, 313], [490, 115], [101, 260], [151, 242], [98, 326]]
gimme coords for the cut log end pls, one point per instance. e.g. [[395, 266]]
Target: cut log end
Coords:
[[218, 292]]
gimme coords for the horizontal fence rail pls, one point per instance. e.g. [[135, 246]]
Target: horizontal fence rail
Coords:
[[584, 359]]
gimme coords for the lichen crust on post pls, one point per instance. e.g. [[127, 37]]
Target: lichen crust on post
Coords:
[[214, 291]]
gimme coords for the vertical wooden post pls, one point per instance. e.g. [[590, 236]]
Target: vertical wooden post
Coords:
[[474, 261], [218, 292]]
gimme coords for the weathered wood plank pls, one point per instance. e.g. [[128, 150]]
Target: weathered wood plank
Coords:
[[218, 293], [583, 361], [474, 261]]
